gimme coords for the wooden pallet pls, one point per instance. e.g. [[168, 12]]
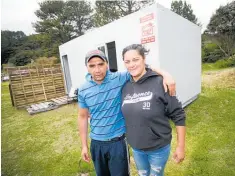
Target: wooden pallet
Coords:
[[62, 100], [49, 105], [35, 84], [41, 107]]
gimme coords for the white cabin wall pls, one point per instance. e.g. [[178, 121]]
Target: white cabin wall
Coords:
[[180, 52]]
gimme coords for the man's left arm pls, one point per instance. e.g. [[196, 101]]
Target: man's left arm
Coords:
[[168, 81]]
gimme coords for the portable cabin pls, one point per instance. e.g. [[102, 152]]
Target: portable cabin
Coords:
[[173, 41]]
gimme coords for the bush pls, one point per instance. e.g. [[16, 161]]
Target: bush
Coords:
[[211, 53], [224, 63], [45, 61], [19, 60]]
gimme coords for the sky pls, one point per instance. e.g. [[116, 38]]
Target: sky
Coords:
[[18, 15]]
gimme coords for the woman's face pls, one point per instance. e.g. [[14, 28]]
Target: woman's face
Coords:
[[134, 63]]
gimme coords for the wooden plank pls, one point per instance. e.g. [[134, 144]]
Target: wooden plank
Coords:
[[22, 86], [59, 87], [30, 101], [43, 88], [53, 80], [32, 85], [50, 93], [39, 92], [59, 84], [61, 92], [40, 96], [42, 110], [63, 98], [43, 105], [57, 101], [16, 86], [28, 84], [39, 106], [60, 100], [19, 92], [49, 87], [53, 96], [19, 99], [34, 107]]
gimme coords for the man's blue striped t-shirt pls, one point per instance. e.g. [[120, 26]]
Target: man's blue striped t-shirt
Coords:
[[104, 104]]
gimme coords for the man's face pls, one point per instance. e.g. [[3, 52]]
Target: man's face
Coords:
[[97, 67]]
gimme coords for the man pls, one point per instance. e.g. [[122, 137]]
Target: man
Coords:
[[100, 99]]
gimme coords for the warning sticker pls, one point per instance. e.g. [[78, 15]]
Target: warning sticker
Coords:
[[147, 29], [148, 40], [146, 18]]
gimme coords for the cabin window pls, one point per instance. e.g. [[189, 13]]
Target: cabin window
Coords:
[[112, 56]]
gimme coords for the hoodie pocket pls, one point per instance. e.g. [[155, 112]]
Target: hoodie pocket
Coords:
[[142, 137], [154, 133]]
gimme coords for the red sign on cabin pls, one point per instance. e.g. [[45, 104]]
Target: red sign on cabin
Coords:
[[148, 40], [147, 18], [147, 30]]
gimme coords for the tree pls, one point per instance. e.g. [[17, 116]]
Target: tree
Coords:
[[53, 21], [42, 45], [105, 12], [221, 28], [19, 49], [63, 20], [211, 52], [108, 11], [185, 10], [128, 7], [79, 15], [9, 41], [21, 58], [223, 21]]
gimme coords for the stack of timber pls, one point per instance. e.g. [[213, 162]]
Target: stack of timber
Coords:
[[30, 85], [41, 107], [46, 106], [62, 100]]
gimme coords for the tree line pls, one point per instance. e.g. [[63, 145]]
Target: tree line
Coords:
[[61, 21]]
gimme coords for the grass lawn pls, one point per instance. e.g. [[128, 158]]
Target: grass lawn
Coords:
[[48, 143]]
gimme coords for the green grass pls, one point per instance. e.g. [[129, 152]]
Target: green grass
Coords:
[[209, 67], [220, 64], [42, 144], [48, 143]]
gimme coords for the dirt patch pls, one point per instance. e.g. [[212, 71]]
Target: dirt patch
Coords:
[[219, 79]]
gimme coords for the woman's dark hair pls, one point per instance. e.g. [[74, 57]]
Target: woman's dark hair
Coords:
[[138, 47]]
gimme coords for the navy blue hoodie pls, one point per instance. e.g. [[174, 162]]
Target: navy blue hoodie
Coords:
[[147, 110]]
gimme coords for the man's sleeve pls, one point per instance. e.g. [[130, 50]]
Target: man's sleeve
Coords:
[[125, 76], [81, 100]]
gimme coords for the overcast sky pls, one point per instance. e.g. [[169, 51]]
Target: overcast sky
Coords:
[[18, 15]]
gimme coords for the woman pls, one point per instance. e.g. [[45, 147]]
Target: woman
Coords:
[[147, 110]]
